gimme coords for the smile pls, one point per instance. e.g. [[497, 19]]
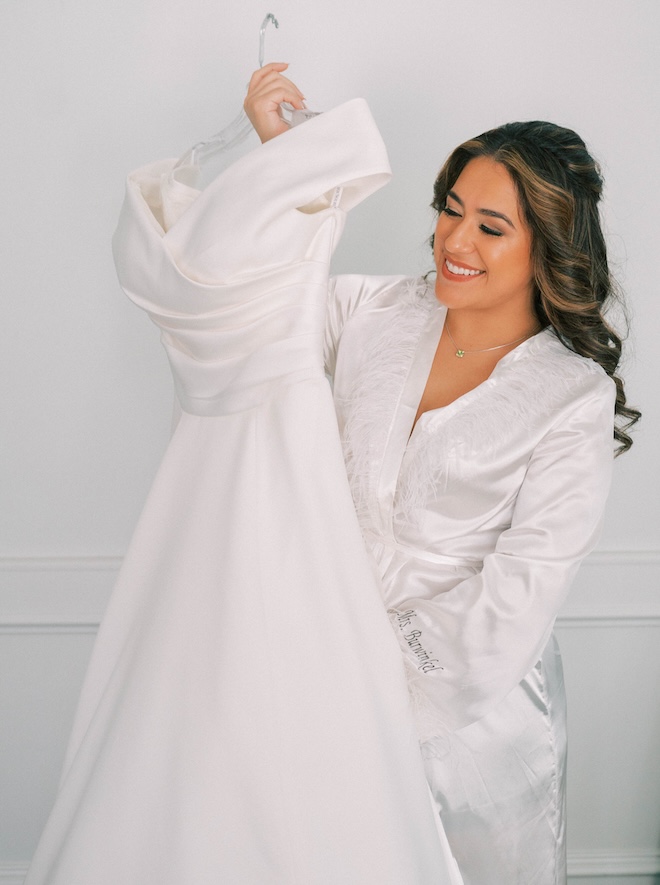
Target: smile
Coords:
[[461, 271]]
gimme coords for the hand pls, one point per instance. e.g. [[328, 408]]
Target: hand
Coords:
[[267, 90]]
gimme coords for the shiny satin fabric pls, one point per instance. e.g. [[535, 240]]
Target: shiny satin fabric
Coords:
[[477, 520], [500, 783], [245, 717]]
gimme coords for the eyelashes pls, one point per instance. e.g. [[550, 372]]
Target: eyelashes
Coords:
[[452, 213]]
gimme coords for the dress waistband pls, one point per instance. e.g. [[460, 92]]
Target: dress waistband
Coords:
[[231, 401]]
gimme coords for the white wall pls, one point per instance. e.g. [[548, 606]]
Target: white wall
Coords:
[[92, 89]]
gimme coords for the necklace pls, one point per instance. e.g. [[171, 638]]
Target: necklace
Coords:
[[461, 353]]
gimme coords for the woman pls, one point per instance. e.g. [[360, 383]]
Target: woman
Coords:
[[476, 415]]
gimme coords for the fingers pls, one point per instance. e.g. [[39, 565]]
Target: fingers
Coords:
[[260, 73], [269, 85], [267, 90]]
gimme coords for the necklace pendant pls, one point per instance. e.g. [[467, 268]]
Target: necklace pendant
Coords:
[[460, 353]]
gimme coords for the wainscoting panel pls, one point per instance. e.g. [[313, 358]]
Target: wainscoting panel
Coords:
[[609, 632]]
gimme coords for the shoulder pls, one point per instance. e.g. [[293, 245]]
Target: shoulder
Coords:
[[552, 366], [361, 289], [367, 312], [542, 390], [357, 296]]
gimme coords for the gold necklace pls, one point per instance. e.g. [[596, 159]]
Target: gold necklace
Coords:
[[461, 353]]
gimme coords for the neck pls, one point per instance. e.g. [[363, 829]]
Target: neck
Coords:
[[476, 330]]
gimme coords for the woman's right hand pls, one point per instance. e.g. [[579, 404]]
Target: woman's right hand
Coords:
[[267, 90]]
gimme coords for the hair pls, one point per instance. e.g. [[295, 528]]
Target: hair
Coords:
[[559, 186]]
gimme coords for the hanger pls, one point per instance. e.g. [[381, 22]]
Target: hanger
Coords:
[[239, 129]]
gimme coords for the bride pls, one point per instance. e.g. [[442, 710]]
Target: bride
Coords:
[[478, 414]]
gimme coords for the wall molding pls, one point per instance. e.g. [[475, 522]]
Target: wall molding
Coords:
[[616, 588], [12, 874], [587, 863], [582, 864], [66, 594]]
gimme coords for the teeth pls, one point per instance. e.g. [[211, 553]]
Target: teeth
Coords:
[[454, 268]]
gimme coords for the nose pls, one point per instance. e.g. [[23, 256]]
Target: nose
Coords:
[[458, 239]]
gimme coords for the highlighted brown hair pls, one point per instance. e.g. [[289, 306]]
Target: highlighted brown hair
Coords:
[[559, 186]]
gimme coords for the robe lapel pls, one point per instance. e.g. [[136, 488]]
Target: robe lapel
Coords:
[[404, 415]]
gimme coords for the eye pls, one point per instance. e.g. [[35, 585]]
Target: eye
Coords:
[[451, 212], [490, 231]]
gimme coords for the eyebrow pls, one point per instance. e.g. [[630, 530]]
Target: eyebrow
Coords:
[[491, 213]]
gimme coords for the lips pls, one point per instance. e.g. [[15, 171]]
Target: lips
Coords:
[[459, 273], [462, 269]]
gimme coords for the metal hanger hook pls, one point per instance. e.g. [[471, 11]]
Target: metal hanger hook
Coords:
[[262, 35]]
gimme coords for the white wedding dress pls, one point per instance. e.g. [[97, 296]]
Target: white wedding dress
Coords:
[[245, 718]]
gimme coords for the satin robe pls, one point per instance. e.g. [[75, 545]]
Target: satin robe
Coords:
[[477, 521]]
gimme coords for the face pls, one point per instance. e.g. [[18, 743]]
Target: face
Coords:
[[482, 245]]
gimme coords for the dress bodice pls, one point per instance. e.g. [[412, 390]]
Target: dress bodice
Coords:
[[240, 295]]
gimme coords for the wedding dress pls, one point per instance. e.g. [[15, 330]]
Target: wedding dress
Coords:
[[245, 718]]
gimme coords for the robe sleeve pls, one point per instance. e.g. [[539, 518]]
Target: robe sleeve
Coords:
[[467, 648]]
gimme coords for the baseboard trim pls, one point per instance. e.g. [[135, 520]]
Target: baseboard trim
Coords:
[[582, 864]]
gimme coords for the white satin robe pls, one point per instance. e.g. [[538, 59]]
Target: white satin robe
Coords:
[[477, 521]]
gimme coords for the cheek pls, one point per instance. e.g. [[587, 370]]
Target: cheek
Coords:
[[516, 261], [524, 257], [524, 264], [442, 225], [439, 236]]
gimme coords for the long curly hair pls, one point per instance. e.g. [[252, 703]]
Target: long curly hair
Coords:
[[559, 186]]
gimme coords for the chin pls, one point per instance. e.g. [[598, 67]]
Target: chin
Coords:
[[439, 294], [443, 293]]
